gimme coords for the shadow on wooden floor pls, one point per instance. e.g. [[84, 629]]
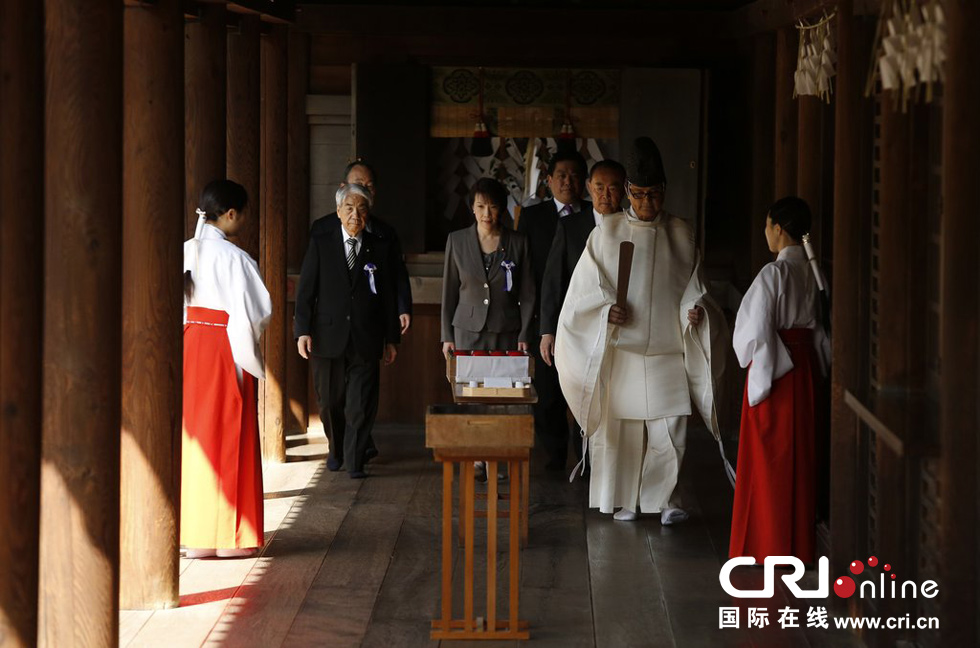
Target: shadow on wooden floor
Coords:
[[356, 563]]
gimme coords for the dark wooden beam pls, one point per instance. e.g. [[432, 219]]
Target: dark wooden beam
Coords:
[[153, 192], [273, 223], [21, 313], [243, 123], [79, 574], [297, 217], [959, 335], [852, 160], [763, 144], [786, 114], [809, 160], [769, 15], [205, 87]]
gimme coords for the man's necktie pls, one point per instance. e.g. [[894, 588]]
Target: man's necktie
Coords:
[[565, 211], [351, 252]]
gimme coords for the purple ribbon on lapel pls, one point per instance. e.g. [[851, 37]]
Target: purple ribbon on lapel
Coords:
[[370, 268], [508, 266]]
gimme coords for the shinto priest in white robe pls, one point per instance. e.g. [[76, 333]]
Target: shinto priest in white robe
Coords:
[[643, 375]]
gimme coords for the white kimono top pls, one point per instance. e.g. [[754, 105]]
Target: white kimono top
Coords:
[[657, 363], [782, 296], [227, 279]]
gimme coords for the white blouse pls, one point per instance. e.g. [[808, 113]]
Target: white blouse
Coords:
[[784, 295], [226, 278]]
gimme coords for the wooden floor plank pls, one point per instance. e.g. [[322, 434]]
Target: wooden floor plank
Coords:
[[358, 558], [627, 597]]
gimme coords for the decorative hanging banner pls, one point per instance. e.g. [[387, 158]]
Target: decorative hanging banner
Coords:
[[508, 266], [370, 269], [910, 48], [526, 102], [816, 60]]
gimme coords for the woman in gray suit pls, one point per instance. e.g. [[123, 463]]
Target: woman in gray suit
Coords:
[[488, 287]]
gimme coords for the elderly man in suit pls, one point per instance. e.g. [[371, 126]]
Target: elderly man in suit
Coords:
[[566, 174], [346, 321], [361, 172]]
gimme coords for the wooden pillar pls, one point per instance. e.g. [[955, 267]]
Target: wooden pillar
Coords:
[[205, 84], [852, 160], [763, 133], [960, 311], [21, 313], [298, 218], [894, 325], [243, 123], [153, 174], [893, 249], [809, 160], [79, 558], [785, 156], [273, 223]]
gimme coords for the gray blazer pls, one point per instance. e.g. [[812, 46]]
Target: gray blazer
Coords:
[[475, 300]]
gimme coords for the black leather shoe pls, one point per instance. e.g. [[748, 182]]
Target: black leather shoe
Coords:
[[333, 465], [370, 454], [357, 474]]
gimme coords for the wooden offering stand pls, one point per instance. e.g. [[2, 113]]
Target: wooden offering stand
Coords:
[[473, 429]]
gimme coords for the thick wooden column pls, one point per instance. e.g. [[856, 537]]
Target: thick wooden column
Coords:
[[851, 218], [809, 160], [79, 574], [785, 156], [21, 313], [243, 123], [273, 223], [893, 246], [297, 218], [153, 175], [205, 84], [763, 131], [960, 311]]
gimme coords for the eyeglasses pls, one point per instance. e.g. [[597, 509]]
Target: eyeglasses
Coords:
[[655, 190]]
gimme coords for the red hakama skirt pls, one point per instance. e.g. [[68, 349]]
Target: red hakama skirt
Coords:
[[221, 496], [775, 489]]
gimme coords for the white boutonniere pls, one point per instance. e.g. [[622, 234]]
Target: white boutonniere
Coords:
[[370, 269]]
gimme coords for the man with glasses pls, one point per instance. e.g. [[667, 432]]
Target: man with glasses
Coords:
[[630, 372], [566, 175]]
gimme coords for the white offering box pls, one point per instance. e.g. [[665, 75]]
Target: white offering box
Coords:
[[491, 371]]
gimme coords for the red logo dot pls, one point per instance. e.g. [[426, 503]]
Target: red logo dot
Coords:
[[893, 576], [872, 562], [857, 567], [844, 587], [888, 567]]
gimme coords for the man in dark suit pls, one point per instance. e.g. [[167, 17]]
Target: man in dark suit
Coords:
[[362, 173], [346, 321], [566, 174], [606, 185]]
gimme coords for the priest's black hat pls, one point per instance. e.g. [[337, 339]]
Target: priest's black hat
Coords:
[[645, 167]]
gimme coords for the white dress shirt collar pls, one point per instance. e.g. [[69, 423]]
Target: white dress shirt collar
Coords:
[[560, 206], [597, 216]]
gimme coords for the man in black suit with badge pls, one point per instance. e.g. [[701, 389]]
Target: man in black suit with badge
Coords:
[[346, 321], [362, 173], [566, 174]]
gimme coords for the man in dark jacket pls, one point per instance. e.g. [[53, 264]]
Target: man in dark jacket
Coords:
[[346, 321], [362, 173], [566, 174]]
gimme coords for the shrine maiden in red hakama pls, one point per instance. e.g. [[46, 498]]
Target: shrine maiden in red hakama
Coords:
[[221, 478], [779, 338]]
